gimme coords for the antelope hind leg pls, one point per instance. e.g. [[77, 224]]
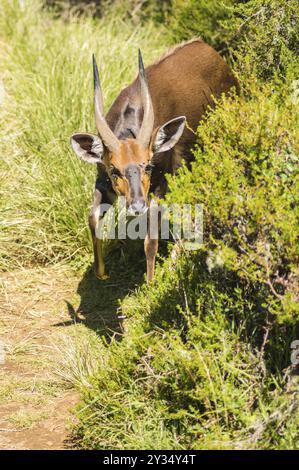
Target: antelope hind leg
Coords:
[[151, 240]]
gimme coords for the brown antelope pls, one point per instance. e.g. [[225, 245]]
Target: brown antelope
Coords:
[[138, 139]]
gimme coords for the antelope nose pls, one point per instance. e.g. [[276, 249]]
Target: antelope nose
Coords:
[[137, 208]]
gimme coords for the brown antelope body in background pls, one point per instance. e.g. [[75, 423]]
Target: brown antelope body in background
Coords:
[[143, 136]]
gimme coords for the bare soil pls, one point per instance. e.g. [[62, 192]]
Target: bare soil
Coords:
[[45, 315], [35, 404]]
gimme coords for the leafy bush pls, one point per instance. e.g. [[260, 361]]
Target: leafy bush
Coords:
[[194, 18], [266, 31], [246, 176]]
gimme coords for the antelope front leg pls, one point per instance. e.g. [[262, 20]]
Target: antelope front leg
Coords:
[[151, 249], [94, 221], [99, 261]]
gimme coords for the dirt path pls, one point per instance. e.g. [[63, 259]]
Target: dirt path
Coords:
[[50, 323], [35, 402]]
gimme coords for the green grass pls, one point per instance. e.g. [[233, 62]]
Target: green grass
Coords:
[[191, 369], [47, 77]]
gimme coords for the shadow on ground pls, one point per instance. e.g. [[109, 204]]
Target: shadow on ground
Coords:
[[100, 300]]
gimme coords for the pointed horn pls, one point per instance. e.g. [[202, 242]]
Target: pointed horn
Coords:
[[108, 137], [146, 129]]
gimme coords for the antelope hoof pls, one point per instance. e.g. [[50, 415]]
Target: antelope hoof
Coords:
[[102, 277]]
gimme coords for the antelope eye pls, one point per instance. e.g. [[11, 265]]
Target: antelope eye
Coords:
[[148, 168], [115, 173]]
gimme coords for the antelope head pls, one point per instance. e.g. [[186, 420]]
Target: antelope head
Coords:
[[128, 162]]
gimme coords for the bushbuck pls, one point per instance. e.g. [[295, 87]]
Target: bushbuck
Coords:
[[143, 136]]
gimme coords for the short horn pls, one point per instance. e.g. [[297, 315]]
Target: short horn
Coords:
[[109, 139], [146, 129]]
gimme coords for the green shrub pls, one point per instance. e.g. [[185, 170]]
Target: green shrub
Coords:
[[194, 18], [266, 31], [246, 176]]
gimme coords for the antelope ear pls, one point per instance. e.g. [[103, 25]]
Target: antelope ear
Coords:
[[168, 135], [88, 147]]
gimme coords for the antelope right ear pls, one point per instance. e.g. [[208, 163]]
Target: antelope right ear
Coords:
[[88, 147]]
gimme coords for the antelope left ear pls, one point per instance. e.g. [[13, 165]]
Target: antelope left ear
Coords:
[[168, 135]]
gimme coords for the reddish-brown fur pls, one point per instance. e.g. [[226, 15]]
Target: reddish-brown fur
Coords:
[[181, 83]]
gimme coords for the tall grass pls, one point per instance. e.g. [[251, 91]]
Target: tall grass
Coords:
[[45, 70]]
